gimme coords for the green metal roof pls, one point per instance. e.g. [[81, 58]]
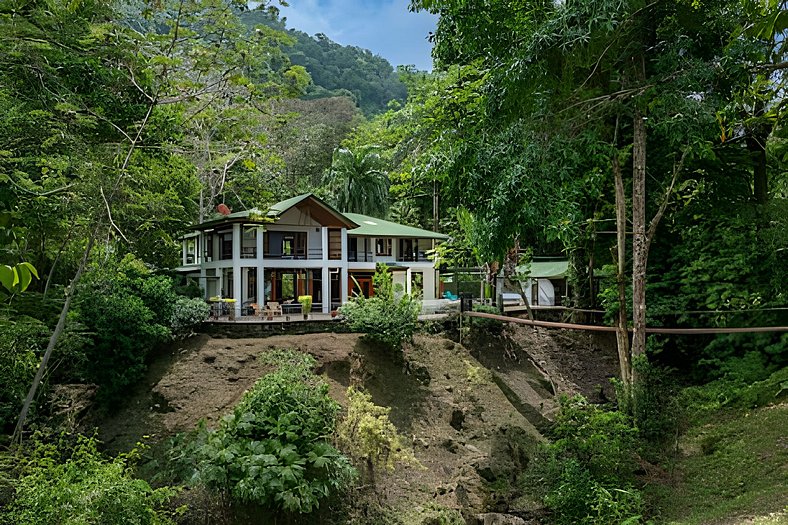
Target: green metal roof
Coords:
[[280, 207], [257, 216], [545, 269], [374, 227]]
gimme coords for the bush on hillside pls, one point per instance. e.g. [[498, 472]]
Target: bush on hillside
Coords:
[[585, 475], [128, 311], [84, 488], [274, 450], [382, 318], [20, 345], [187, 314], [488, 325], [368, 435]]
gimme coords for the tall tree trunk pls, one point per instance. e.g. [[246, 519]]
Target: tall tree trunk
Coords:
[[757, 147], [639, 241], [622, 335], [435, 204]]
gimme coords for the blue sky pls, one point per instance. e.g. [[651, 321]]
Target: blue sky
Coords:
[[385, 27]]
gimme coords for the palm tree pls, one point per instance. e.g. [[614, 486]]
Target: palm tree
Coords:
[[357, 181]]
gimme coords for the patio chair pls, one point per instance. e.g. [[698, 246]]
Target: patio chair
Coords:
[[274, 307]]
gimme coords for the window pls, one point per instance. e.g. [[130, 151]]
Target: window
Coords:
[[406, 252], [334, 244], [382, 246], [209, 247], [191, 250], [227, 246], [294, 245]]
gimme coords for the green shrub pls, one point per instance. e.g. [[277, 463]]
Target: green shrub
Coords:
[[389, 323], [274, 449], [586, 474], [20, 344], [655, 407], [578, 498], [188, 314], [306, 303], [128, 311], [368, 435], [382, 318], [85, 488], [489, 325]]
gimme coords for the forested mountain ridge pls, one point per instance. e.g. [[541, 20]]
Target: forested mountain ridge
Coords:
[[338, 70]]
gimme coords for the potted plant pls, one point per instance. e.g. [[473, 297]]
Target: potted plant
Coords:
[[306, 304], [230, 308]]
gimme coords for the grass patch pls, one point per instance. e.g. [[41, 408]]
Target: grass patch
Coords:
[[735, 464]]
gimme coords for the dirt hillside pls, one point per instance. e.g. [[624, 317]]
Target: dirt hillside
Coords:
[[472, 415]]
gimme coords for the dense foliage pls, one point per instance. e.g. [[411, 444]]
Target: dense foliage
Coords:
[[338, 70], [77, 486], [586, 473], [20, 345], [274, 449], [388, 318]]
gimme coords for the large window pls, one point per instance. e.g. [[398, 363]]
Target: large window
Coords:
[[406, 250], [334, 244], [191, 250], [294, 245], [383, 246], [226, 240]]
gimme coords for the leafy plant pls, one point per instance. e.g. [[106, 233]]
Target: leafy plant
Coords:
[[489, 325], [382, 318], [368, 435], [85, 488], [274, 449], [585, 475], [129, 311], [187, 314], [20, 343], [306, 303]]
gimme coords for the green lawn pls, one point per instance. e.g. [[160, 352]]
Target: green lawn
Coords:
[[733, 469]]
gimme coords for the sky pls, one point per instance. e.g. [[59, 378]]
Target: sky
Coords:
[[385, 27]]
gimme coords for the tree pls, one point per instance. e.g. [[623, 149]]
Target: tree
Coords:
[[357, 181], [603, 80], [192, 55]]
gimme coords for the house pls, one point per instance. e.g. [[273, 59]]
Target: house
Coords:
[[303, 246], [546, 282], [542, 282]]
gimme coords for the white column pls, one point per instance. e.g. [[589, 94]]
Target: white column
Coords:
[[203, 282], [343, 284], [183, 251], [407, 281], [325, 283], [324, 242], [344, 271], [237, 280], [429, 284], [259, 242], [260, 285]]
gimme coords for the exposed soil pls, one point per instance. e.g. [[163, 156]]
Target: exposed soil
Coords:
[[203, 378], [576, 362], [472, 416]]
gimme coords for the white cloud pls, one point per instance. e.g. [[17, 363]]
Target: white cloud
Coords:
[[385, 27]]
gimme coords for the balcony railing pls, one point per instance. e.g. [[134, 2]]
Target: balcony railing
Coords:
[[413, 257], [361, 257], [312, 253]]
